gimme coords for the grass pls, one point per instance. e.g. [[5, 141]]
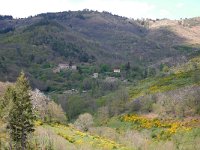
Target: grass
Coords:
[[81, 139], [128, 132], [163, 84], [188, 140], [161, 129], [62, 137], [3, 135], [44, 138], [157, 133], [179, 78]]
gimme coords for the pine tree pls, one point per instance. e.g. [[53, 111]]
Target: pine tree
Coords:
[[127, 66], [21, 117]]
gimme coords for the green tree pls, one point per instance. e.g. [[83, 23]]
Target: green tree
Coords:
[[6, 103], [84, 122], [21, 117], [105, 68], [127, 66]]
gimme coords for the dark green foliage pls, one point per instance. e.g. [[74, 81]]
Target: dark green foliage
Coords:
[[6, 17], [21, 117], [6, 30], [77, 105], [127, 66], [184, 48], [38, 44], [105, 68]]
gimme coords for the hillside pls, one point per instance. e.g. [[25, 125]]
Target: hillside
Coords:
[[91, 80], [187, 29], [90, 39]]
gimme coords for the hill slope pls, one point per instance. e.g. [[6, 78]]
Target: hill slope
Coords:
[[38, 44]]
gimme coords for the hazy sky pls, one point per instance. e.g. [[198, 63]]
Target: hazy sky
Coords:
[[173, 9]]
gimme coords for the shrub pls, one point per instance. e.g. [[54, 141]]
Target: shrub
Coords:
[[103, 114], [84, 122], [46, 109], [56, 113], [40, 102]]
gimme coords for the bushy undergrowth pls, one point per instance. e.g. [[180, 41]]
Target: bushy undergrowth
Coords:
[[161, 129], [178, 76], [81, 139], [163, 84], [143, 133], [179, 103]]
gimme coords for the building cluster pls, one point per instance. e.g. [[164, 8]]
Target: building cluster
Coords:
[[61, 67]]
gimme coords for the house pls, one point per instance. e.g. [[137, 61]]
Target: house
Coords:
[[74, 67], [72, 91], [61, 67], [116, 70], [95, 75], [64, 67]]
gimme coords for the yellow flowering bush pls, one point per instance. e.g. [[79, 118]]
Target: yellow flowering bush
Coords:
[[81, 138], [38, 123], [167, 127]]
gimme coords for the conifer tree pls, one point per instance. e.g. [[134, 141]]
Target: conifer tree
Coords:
[[21, 117]]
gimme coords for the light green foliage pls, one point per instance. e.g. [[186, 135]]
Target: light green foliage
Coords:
[[173, 95], [84, 122], [146, 133], [86, 141], [188, 140], [103, 115], [163, 84], [6, 103], [180, 103], [44, 138], [4, 136], [55, 113]]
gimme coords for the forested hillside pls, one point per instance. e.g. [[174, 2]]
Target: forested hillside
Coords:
[[97, 42]]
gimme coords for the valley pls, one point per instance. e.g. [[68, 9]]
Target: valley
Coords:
[[101, 81]]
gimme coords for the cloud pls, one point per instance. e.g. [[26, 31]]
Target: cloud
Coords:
[[180, 5], [164, 13]]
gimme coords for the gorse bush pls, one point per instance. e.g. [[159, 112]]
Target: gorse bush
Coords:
[[86, 141], [165, 128]]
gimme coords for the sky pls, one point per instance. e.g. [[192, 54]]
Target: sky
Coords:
[[172, 9]]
